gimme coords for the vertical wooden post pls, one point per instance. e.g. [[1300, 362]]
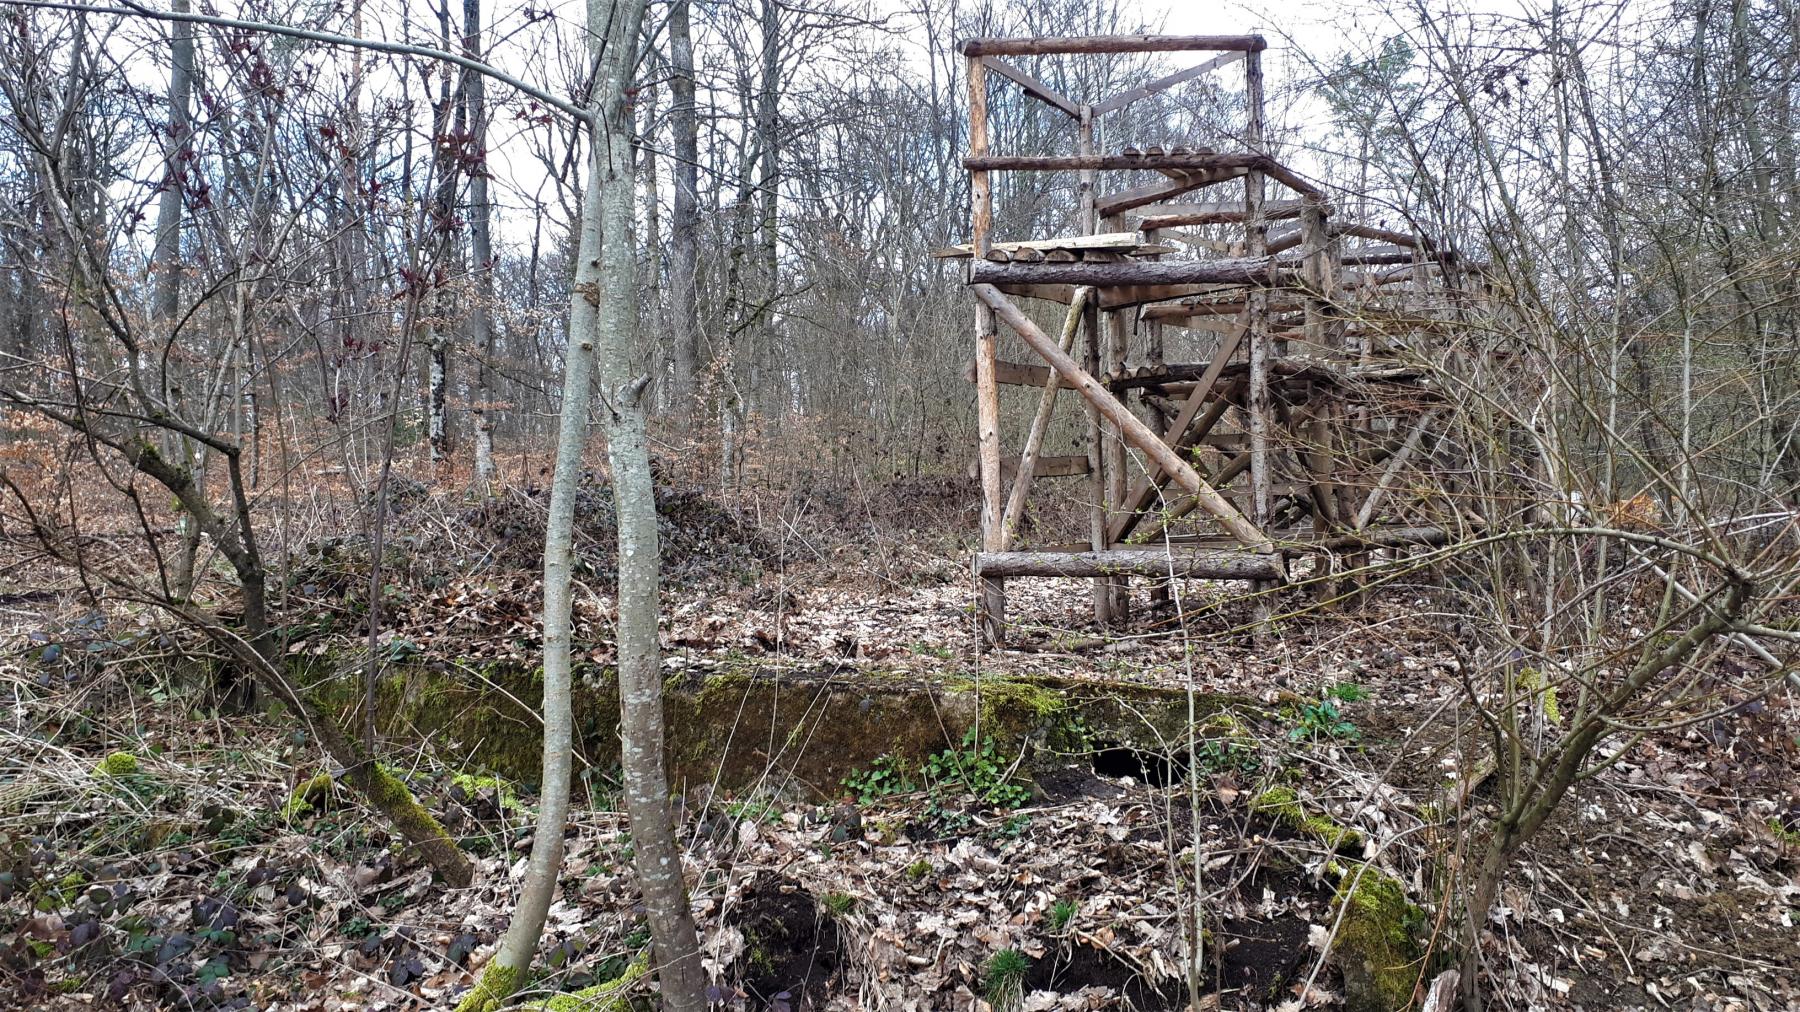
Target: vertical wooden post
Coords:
[[1160, 597], [1257, 304], [1318, 272], [1088, 223], [1117, 462], [987, 390]]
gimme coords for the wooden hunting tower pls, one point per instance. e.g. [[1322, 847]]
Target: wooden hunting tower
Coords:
[[1287, 439]]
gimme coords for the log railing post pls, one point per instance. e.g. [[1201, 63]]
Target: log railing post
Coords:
[[1115, 351], [1257, 303], [992, 607], [1089, 224]]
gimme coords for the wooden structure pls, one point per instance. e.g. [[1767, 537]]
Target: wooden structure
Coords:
[[1288, 436]]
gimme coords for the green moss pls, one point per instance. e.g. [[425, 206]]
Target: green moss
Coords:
[[390, 795], [612, 996], [824, 725], [1377, 948], [117, 764], [69, 887], [1283, 805], [504, 795], [1784, 834], [492, 991], [305, 796]]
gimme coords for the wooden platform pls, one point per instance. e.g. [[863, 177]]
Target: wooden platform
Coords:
[[1298, 432]]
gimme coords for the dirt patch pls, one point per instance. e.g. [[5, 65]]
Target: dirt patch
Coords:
[[1075, 783], [1262, 956], [1075, 966], [792, 956]]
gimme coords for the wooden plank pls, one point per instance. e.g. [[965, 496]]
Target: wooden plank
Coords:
[[1010, 374], [1134, 430], [1200, 242], [1032, 86], [1186, 564], [1251, 270], [1074, 44], [1162, 84], [1106, 241]]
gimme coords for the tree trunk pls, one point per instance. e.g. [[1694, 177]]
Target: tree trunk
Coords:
[[614, 324], [685, 218], [603, 322], [481, 255], [166, 259]]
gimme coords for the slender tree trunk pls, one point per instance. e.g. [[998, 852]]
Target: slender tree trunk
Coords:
[[768, 184], [685, 216], [603, 319], [481, 255], [451, 124], [166, 257]]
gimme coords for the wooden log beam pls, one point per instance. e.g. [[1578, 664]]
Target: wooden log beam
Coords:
[[1381, 537], [1241, 271], [1151, 193], [1201, 565], [1199, 161], [1381, 235], [1162, 84], [992, 617], [1130, 426], [1032, 86], [1079, 44], [1219, 214], [1012, 374]]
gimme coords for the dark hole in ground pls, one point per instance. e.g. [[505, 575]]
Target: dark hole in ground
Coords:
[[1068, 969], [791, 954], [1153, 769], [1075, 783], [1260, 957]]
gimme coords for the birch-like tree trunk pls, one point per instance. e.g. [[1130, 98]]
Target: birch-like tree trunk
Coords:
[[684, 218], [481, 256], [603, 321], [166, 258]]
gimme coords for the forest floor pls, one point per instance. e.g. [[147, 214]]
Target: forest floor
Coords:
[[189, 877]]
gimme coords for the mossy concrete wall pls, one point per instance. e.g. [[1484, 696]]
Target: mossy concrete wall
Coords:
[[744, 724]]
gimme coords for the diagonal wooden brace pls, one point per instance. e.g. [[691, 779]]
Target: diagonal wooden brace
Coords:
[[1130, 426]]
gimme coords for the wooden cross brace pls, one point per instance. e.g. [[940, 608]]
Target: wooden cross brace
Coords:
[[1130, 426]]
